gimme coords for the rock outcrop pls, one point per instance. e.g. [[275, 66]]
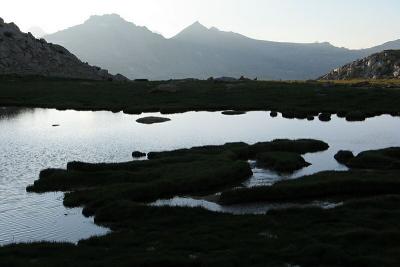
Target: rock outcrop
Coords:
[[384, 65], [23, 54]]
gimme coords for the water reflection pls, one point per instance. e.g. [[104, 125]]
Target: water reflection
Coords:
[[7, 113], [252, 208]]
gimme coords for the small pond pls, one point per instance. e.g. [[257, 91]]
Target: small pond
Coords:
[[30, 143]]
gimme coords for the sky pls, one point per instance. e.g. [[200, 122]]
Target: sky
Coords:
[[345, 23]]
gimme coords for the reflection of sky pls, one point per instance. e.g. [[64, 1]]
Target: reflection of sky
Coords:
[[239, 209], [29, 144]]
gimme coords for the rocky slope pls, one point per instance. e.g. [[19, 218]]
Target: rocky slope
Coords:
[[384, 65], [23, 54]]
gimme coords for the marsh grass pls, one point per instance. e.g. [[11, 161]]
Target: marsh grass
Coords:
[[320, 186], [286, 162], [293, 99], [364, 231], [383, 159], [166, 174]]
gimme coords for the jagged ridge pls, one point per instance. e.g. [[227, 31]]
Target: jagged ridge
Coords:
[[199, 52]]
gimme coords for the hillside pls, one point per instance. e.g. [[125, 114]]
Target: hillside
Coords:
[[22, 54], [383, 65], [198, 52]]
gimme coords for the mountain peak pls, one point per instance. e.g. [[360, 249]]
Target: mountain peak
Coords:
[[106, 18], [195, 30], [197, 26]]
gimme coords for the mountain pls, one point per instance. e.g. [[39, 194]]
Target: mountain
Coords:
[[383, 65], [23, 54], [198, 52]]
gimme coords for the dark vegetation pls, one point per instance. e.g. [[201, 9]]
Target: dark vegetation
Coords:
[[361, 233], [281, 161], [165, 174], [383, 159], [294, 99], [355, 116], [320, 186], [381, 177], [364, 231]]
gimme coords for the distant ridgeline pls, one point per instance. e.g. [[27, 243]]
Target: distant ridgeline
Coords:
[[199, 52], [24, 55], [384, 65]]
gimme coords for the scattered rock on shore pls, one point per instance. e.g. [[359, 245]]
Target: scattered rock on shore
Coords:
[[233, 112], [344, 156], [138, 154], [152, 120], [324, 117]]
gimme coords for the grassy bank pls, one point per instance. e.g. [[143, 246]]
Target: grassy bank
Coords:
[[320, 186], [293, 99], [360, 233]]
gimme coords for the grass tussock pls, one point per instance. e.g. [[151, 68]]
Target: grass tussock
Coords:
[[320, 186], [285, 162], [382, 159]]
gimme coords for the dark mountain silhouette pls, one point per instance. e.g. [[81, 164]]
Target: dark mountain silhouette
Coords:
[[198, 52]]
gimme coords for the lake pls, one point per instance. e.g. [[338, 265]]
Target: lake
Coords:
[[30, 143]]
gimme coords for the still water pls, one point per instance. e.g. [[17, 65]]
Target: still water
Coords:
[[29, 144]]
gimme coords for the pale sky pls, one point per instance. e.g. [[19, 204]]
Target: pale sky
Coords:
[[348, 23]]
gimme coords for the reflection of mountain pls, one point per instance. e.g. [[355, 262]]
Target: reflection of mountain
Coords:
[[199, 52], [7, 113]]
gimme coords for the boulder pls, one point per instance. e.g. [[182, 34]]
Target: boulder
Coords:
[[138, 154], [274, 114], [344, 156], [233, 112], [152, 120], [324, 117]]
